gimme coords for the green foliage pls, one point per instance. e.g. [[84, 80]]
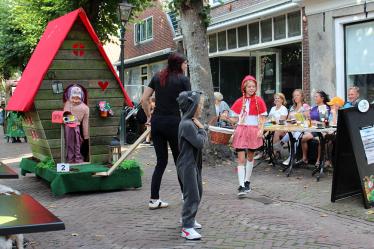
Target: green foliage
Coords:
[[180, 5], [129, 164], [22, 22], [47, 163]]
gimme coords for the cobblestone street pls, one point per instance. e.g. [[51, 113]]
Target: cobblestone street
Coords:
[[280, 212]]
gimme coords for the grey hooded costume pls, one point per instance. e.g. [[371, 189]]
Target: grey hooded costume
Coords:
[[191, 141]]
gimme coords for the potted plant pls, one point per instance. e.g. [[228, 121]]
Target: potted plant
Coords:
[[105, 109]]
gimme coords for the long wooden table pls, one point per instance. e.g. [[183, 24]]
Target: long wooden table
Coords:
[[23, 214], [297, 128], [7, 172]]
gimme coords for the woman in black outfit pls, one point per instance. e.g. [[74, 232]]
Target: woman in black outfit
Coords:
[[167, 85]]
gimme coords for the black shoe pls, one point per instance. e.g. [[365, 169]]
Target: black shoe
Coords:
[[301, 162], [241, 192], [247, 187]]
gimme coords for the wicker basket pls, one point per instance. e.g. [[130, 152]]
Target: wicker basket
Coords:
[[220, 135], [219, 138]]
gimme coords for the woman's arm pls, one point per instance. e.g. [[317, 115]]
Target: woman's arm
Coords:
[[145, 102]]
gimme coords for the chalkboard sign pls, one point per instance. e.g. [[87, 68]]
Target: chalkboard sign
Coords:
[[354, 156]]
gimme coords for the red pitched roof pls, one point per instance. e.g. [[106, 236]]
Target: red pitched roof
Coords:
[[43, 55]]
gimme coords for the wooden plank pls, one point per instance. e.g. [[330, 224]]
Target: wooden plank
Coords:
[[81, 74], [99, 149], [93, 94], [40, 152], [126, 154], [103, 158], [39, 142], [112, 121], [54, 143], [52, 134], [75, 64], [101, 140], [78, 26], [105, 131], [68, 44], [40, 133], [78, 35], [88, 84], [46, 114], [67, 54], [57, 104]]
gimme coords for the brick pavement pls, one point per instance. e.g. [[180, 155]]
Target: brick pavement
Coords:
[[297, 213]]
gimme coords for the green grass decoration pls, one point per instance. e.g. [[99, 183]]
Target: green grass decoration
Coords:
[[47, 163], [129, 164]]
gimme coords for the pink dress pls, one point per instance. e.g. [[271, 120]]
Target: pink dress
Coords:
[[245, 135]]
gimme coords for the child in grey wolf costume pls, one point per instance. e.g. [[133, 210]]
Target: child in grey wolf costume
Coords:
[[191, 140]]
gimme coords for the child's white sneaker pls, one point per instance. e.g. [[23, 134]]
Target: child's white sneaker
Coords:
[[190, 234], [155, 204], [196, 225]]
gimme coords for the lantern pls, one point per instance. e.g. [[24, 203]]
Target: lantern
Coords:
[[114, 150]]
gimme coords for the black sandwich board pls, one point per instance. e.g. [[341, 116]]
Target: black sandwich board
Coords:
[[354, 155]]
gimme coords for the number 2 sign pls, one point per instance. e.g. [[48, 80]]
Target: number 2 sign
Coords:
[[63, 167]]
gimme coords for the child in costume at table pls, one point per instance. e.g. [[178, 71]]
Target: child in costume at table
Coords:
[[250, 111], [73, 137], [191, 140], [335, 104]]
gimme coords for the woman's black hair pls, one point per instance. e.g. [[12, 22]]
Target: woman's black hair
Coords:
[[324, 96]]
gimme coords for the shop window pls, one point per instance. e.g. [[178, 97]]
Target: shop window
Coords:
[[144, 30], [254, 33], [231, 39], [243, 36], [266, 30], [279, 27], [213, 43], [294, 24], [359, 58], [222, 41]]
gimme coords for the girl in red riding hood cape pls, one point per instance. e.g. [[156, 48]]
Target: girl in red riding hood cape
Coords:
[[250, 112]]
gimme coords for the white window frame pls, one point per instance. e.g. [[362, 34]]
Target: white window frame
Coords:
[[147, 37], [340, 46], [260, 44]]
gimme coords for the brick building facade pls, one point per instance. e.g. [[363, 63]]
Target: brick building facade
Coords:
[[243, 39]]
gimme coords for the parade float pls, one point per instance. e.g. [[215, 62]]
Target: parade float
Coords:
[[68, 56]]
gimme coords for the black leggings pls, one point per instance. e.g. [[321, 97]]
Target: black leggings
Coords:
[[164, 130]]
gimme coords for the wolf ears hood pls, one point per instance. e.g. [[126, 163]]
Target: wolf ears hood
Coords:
[[188, 102]]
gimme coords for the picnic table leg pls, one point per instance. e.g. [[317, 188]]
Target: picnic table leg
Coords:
[[269, 147], [319, 170], [292, 154]]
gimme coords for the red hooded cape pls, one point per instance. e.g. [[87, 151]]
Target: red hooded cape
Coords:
[[257, 104]]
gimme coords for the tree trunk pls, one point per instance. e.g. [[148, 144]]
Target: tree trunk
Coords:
[[195, 42]]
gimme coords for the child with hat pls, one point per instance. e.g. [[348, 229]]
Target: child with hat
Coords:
[[80, 111], [250, 111], [335, 104]]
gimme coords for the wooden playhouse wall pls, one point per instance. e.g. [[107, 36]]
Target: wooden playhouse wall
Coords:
[[86, 68]]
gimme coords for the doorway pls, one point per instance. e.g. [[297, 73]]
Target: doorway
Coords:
[[267, 75]]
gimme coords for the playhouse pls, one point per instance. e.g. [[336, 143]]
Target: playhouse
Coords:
[[69, 53]]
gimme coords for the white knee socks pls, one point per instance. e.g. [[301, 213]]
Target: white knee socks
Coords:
[[248, 169], [241, 175]]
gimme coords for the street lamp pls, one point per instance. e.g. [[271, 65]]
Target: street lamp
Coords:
[[124, 12]]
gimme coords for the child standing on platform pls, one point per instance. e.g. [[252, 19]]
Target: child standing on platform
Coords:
[[251, 112], [73, 137], [191, 140]]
